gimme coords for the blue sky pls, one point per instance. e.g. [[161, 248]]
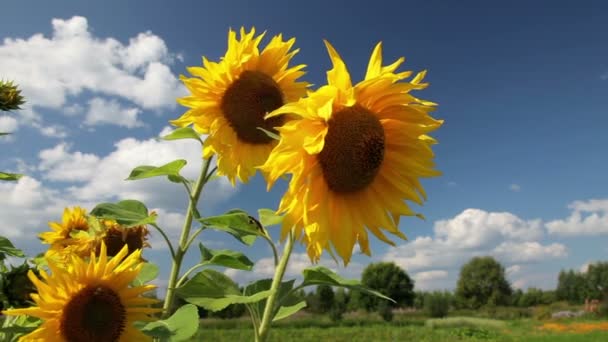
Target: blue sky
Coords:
[[522, 87]]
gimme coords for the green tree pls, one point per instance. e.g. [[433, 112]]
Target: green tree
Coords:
[[390, 280], [482, 282], [326, 298], [571, 286], [597, 280]]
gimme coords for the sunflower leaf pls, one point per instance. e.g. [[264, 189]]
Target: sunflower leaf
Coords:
[[225, 258], [128, 212], [148, 273], [183, 133], [4, 133], [237, 223], [7, 248], [171, 170], [319, 275], [181, 326], [269, 217], [4, 176], [286, 311], [214, 291], [285, 297]]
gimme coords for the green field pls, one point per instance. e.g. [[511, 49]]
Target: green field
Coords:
[[408, 328]]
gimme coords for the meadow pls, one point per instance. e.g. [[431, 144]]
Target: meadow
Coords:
[[412, 326]]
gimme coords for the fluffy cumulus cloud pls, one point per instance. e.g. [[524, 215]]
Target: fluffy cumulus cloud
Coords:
[[52, 70], [111, 112], [27, 205], [103, 178], [8, 124], [586, 218], [473, 232]]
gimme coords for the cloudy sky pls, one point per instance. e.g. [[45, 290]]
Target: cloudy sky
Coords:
[[523, 92]]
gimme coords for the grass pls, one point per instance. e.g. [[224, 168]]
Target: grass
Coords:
[[410, 327]]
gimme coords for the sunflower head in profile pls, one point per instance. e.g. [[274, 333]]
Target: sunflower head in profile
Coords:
[[229, 100], [355, 156], [116, 236], [90, 301]]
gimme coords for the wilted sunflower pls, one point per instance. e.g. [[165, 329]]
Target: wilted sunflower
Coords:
[[90, 301], [355, 156], [69, 236], [115, 236], [230, 98]]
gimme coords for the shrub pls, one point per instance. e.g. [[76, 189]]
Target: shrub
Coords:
[[385, 311], [437, 304]]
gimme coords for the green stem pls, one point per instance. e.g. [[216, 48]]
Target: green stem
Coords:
[[166, 240], [183, 278], [274, 249], [274, 289], [183, 240]]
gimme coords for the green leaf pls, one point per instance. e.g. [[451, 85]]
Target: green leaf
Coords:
[[269, 217], [214, 291], [181, 326], [183, 133], [269, 133], [286, 311], [319, 275], [4, 176], [171, 170], [236, 223], [7, 248], [4, 133], [148, 273], [128, 212], [225, 258], [263, 285]]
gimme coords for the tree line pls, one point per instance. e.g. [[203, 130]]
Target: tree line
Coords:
[[482, 283]]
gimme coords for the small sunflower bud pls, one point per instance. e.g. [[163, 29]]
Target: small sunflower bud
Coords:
[[10, 96]]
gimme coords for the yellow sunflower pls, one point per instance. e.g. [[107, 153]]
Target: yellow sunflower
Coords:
[[230, 98], [90, 301], [355, 155], [70, 236]]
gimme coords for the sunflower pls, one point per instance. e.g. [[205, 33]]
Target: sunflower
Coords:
[[355, 156], [70, 236], [230, 98], [90, 301], [115, 236]]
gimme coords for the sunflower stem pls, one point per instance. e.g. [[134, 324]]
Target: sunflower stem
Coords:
[[274, 290], [183, 240]]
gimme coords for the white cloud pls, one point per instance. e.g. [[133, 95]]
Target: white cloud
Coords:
[[584, 267], [59, 164], [529, 251], [103, 111], [8, 124], [515, 187], [103, 177], [52, 131], [72, 60], [512, 270], [587, 218], [474, 232], [431, 280], [475, 228]]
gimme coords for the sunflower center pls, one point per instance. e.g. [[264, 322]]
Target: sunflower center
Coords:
[[95, 314], [353, 150], [246, 102]]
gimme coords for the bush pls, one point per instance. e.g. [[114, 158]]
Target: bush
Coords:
[[461, 322], [437, 304], [385, 311]]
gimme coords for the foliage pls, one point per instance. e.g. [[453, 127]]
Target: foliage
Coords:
[[437, 304], [482, 281], [571, 286], [326, 298], [386, 311], [390, 280]]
